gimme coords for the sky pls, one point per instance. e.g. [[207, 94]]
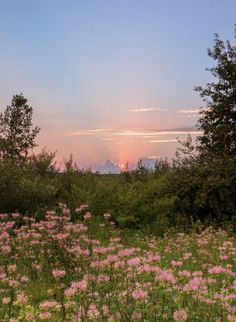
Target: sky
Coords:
[[110, 79]]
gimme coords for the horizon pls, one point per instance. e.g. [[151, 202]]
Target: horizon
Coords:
[[110, 81]]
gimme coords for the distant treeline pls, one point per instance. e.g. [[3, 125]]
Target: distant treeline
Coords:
[[171, 195]]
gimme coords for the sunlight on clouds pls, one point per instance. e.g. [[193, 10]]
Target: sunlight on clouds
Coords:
[[150, 109], [88, 132], [188, 111], [162, 141]]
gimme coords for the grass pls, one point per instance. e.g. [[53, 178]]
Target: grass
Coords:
[[89, 270]]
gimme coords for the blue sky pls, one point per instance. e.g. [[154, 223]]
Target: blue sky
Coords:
[[124, 66]]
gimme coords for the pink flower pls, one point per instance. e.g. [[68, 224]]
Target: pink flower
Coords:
[[133, 261], [81, 208], [180, 315], [127, 252], [202, 242], [187, 255], [93, 313], [82, 285], [102, 278], [194, 284], [58, 273], [176, 263], [112, 258], [70, 291], [6, 300], [220, 270], [184, 274], [87, 216], [45, 315], [11, 268], [139, 294], [166, 276], [49, 304], [153, 258], [231, 318], [21, 298]]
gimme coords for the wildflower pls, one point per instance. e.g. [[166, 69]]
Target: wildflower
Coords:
[[139, 294], [82, 285], [87, 216], [176, 263], [58, 273], [6, 300], [11, 268], [231, 318], [184, 274], [194, 284], [102, 278], [187, 255], [21, 298], [126, 252], [133, 261], [49, 304], [93, 312], [166, 276], [112, 258], [153, 258], [24, 279], [202, 242], [81, 208], [45, 315], [70, 291], [180, 315], [197, 274]]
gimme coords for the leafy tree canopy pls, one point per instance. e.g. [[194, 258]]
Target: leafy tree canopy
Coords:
[[218, 118], [17, 136]]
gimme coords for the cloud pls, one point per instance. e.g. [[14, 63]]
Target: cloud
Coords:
[[88, 132], [153, 133], [148, 109], [162, 141], [110, 135], [188, 111], [153, 157], [108, 139]]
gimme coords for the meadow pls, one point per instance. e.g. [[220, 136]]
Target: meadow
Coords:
[[70, 265]]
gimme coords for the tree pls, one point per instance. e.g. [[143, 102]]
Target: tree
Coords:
[[218, 118], [17, 136]]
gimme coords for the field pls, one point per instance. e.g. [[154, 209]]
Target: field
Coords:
[[76, 267]]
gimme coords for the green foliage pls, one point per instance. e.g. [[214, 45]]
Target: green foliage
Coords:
[[205, 177], [218, 118], [24, 188], [206, 191], [16, 135]]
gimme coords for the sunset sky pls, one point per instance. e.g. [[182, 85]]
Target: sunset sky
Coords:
[[110, 79]]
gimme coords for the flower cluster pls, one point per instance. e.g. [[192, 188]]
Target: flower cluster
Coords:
[[56, 270]]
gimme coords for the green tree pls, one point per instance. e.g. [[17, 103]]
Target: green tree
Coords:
[[218, 118], [17, 136]]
